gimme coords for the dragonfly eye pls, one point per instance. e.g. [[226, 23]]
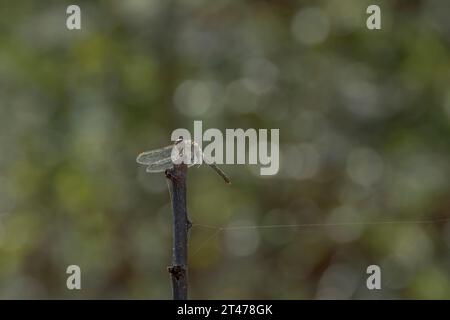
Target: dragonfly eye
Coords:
[[178, 140]]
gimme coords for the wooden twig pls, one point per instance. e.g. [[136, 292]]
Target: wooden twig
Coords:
[[181, 224]]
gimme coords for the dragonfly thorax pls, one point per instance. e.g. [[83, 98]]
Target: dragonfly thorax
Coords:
[[187, 152]]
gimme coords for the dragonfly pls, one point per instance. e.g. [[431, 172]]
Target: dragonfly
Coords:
[[182, 151]]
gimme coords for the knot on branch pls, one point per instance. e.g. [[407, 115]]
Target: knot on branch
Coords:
[[177, 173], [178, 272], [170, 174]]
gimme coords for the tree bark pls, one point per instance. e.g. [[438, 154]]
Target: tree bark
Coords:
[[178, 270]]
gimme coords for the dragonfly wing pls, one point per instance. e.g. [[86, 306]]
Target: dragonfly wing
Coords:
[[161, 165], [153, 156]]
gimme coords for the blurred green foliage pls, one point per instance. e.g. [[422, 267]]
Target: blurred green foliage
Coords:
[[364, 120]]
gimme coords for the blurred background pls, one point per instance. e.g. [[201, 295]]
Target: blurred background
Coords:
[[364, 120]]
